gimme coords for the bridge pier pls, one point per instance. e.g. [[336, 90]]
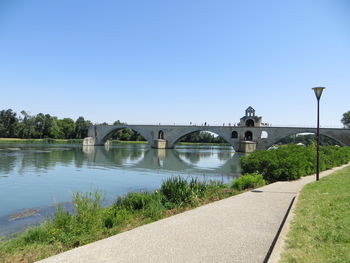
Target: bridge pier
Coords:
[[93, 141], [247, 146], [159, 144], [89, 141]]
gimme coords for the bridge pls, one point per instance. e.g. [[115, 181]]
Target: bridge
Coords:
[[249, 134]]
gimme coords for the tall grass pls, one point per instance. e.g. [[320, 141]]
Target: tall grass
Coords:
[[248, 181], [91, 221], [44, 140], [178, 191]]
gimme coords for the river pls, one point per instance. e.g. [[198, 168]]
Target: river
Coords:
[[35, 178]]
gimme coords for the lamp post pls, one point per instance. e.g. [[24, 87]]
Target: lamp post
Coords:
[[318, 93]]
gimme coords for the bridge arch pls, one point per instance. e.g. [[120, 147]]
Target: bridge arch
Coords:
[[226, 137], [264, 135], [276, 139], [107, 133], [234, 135], [248, 136], [249, 123], [161, 134]]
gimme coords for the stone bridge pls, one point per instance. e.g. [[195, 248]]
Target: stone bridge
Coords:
[[249, 134], [166, 136]]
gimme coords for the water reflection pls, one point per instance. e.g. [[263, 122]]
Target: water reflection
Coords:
[[41, 159], [212, 160], [38, 176]]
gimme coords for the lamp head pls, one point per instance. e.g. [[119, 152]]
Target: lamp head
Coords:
[[318, 91]]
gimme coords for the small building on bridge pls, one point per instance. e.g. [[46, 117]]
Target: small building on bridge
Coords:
[[250, 119]]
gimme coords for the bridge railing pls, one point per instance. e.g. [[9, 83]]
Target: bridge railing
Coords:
[[230, 125]]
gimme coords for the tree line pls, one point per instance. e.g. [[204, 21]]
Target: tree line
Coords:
[[27, 126], [39, 126]]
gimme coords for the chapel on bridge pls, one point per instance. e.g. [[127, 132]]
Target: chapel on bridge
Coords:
[[250, 119]]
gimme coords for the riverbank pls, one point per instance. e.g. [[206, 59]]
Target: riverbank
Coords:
[[112, 142], [241, 228], [41, 141], [320, 228], [91, 221]]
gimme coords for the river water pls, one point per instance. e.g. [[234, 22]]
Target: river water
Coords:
[[35, 178]]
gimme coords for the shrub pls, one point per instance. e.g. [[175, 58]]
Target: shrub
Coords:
[[36, 235], [246, 181], [291, 162], [135, 201], [179, 191]]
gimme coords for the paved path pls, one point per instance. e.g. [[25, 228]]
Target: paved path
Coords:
[[237, 229]]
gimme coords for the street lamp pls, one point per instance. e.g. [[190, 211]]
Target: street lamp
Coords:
[[318, 93]]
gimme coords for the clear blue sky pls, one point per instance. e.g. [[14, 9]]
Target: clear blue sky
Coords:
[[176, 61]]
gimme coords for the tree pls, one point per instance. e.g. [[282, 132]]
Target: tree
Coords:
[[346, 119], [67, 126], [26, 127], [81, 127], [54, 130], [39, 125], [8, 123]]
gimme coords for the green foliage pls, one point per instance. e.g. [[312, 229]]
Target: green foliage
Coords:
[[8, 123], [202, 137], [291, 162], [137, 201], [179, 191], [346, 119], [41, 126], [307, 139], [126, 134], [36, 235], [81, 128], [67, 126], [246, 181]]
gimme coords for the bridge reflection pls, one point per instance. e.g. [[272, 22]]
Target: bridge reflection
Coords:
[[40, 159], [179, 159]]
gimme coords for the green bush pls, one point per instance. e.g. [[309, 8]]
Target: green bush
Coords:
[[36, 235], [136, 200], [179, 192], [246, 181], [291, 162], [151, 204]]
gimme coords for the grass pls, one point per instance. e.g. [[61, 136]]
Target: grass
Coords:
[[247, 181], [203, 143], [91, 221], [45, 140], [320, 231]]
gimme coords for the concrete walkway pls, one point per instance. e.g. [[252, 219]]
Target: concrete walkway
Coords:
[[237, 229]]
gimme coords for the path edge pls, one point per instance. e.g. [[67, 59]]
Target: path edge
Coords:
[[279, 246]]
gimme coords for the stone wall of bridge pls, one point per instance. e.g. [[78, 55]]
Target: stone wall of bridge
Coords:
[[263, 136]]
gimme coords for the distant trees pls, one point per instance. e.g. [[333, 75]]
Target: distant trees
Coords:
[[8, 123], [126, 134], [202, 137], [307, 139], [81, 127], [346, 119], [41, 126]]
